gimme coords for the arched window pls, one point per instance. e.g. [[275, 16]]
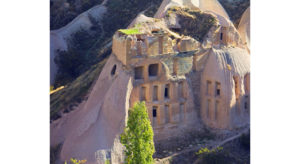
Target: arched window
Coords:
[[113, 70]]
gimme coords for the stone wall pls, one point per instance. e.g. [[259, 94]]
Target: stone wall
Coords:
[[169, 102]]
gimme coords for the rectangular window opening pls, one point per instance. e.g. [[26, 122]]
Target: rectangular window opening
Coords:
[[154, 114], [218, 89], [167, 90], [138, 73], [153, 69]]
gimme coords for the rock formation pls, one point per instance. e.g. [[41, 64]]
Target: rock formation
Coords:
[[186, 85], [244, 27]]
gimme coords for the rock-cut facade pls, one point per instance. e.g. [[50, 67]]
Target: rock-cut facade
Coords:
[[186, 84]]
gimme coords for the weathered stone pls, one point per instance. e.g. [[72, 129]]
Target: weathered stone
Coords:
[[183, 91]]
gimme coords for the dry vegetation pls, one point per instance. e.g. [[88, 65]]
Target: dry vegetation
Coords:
[[193, 23], [65, 99]]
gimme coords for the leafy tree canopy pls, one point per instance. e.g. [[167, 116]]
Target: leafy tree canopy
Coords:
[[138, 136]]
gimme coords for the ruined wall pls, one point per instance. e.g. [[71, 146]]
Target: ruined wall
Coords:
[[121, 48], [188, 44]]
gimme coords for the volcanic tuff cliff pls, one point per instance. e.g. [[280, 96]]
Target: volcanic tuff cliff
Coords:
[[187, 83]]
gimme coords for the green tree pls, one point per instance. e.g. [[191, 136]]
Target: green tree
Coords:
[[138, 136]]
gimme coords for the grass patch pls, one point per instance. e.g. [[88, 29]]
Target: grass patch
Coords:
[[193, 23], [131, 31]]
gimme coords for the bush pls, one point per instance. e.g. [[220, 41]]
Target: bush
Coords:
[[235, 9], [79, 57], [61, 12], [76, 161], [245, 141], [214, 156], [193, 23], [138, 136]]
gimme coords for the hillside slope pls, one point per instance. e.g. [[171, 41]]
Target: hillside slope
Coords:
[[108, 17]]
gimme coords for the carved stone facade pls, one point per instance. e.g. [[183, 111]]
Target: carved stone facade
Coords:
[[160, 78], [186, 85]]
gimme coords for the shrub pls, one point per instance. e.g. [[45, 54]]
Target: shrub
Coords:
[[76, 161], [245, 141], [235, 9], [61, 12], [193, 23], [138, 136], [214, 156], [79, 57]]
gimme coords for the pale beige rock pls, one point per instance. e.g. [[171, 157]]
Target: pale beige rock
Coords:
[[186, 85], [223, 67], [102, 118], [244, 27]]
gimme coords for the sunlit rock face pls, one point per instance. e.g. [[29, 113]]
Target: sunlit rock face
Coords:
[[186, 84], [225, 88], [244, 27]]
